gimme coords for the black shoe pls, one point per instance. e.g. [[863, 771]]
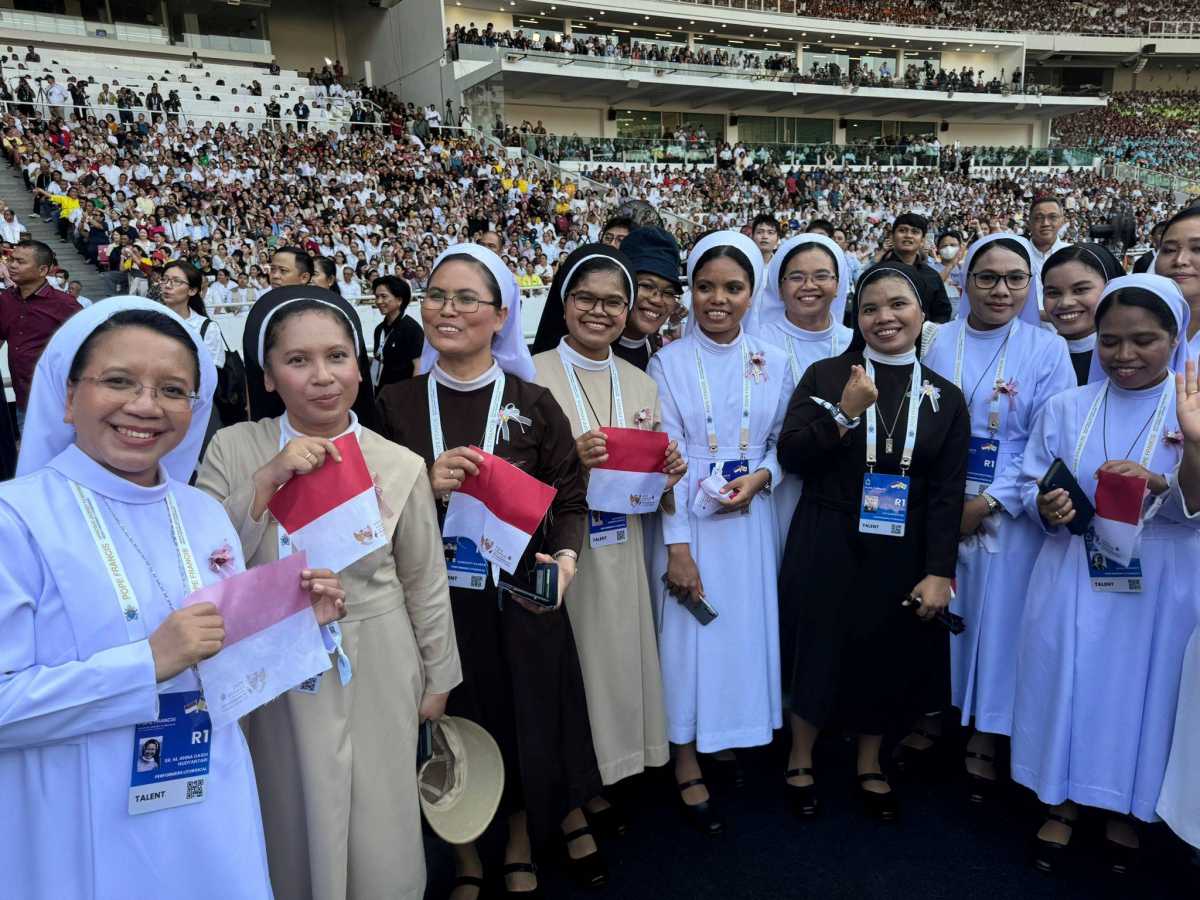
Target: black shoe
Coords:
[[468, 881], [611, 822], [1049, 856], [980, 789], [536, 893], [882, 807], [730, 770], [1123, 859], [586, 872], [910, 760], [703, 815], [802, 800]]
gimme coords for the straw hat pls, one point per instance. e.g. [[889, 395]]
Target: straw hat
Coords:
[[460, 786]]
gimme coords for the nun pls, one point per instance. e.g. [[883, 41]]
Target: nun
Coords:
[[96, 646], [1181, 784], [1007, 367], [1178, 258], [881, 443], [1102, 644], [723, 393], [522, 679], [1072, 281], [804, 302], [610, 596], [341, 818]]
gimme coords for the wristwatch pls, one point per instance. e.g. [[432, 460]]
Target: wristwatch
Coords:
[[844, 420], [992, 502]]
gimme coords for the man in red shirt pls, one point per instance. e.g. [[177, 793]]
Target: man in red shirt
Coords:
[[30, 312]]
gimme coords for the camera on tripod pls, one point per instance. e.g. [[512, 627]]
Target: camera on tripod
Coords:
[[1118, 233]]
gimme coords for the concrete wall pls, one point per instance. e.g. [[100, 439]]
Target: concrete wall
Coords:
[[560, 119], [1007, 134], [303, 34]]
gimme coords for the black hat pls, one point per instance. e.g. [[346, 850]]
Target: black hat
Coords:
[[653, 250]]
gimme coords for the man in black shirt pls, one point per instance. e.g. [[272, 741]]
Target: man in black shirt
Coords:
[[908, 236]]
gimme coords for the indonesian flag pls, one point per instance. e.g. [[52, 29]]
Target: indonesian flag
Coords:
[[332, 512], [632, 479], [1118, 520], [499, 509], [272, 640]]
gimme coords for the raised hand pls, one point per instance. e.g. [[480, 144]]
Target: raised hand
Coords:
[[859, 393]]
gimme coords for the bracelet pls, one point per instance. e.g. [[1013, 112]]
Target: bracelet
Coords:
[[571, 553], [844, 420]]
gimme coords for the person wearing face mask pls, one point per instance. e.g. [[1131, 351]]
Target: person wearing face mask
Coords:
[[612, 614], [881, 443], [1102, 644], [1072, 280], [950, 253], [1007, 367], [398, 338], [1179, 260], [723, 393]]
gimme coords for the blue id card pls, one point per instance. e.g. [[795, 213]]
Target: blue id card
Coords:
[[884, 504], [1106, 576], [606, 529], [981, 463], [465, 565], [171, 755], [731, 469]]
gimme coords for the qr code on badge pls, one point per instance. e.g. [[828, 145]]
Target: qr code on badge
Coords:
[[1135, 584], [195, 789], [308, 685], [896, 529], [620, 535], [476, 581]]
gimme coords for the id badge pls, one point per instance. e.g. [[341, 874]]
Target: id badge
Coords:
[[981, 463], [309, 685], [606, 529], [171, 755], [1108, 577], [465, 565], [731, 469], [884, 504]]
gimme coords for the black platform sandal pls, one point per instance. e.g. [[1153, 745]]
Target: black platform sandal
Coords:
[[981, 789], [509, 868], [585, 872], [1049, 856], [909, 760], [1121, 858], [803, 800], [703, 815], [882, 807]]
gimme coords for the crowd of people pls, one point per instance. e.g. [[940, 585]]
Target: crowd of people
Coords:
[[1154, 129]]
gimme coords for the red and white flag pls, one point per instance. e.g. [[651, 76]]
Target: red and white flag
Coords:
[[272, 640], [332, 512], [632, 479], [1118, 520], [499, 509]]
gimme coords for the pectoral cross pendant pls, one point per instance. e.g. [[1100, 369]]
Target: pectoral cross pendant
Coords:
[[887, 445]]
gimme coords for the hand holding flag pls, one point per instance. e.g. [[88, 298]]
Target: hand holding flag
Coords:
[[451, 469]]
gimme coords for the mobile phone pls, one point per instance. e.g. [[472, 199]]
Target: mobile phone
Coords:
[[1059, 476], [545, 592], [425, 743], [703, 612], [948, 620]]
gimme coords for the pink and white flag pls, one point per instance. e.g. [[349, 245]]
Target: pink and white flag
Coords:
[[332, 512], [272, 640], [631, 480], [499, 509], [1118, 520]]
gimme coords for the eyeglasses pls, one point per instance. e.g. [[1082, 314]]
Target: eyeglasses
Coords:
[[798, 278], [646, 289], [1052, 219], [463, 303], [611, 305], [174, 282], [171, 397], [1014, 280]]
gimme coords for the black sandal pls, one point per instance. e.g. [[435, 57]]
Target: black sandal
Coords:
[[1049, 856], [908, 759], [510, 868], [704, 815], [882, 807], [1123, 859], [610, 822], [803, 800], [585, 872], [468, 881], [980, 788]]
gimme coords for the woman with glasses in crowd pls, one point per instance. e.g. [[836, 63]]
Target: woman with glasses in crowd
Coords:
[[1072, 281], [1102, 643], [522, 680], [1007, 367], [611, 610], [881, 443]]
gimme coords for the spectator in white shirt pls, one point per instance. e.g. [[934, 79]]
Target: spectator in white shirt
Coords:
[[57, 96], [10, 227], [75, 289]]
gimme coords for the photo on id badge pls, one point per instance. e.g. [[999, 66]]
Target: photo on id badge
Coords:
[[606, 529], [884, 505], [1108, 576], [731, 469]]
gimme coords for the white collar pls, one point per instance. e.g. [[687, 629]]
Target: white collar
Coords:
[[787, 325], [287, 432], [1081, 345], [709, 344], [630, 342], [890, 359], [992, 334], [442, 377], [580, 361]]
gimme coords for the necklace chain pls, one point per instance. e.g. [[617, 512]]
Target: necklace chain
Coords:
[[1104, 429], [129, 537]]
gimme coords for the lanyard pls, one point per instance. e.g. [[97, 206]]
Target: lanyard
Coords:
[[131, 610], [493, 418], [1155, 426], [791, 352], [994, 408], [577, 394], [710, 425], [910, 433]]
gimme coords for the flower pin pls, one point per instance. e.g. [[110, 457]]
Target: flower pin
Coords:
[[383, 506], [933, 392], [758, 366], [510, 413], [1173, 437], [221, 560], [1007, 389], [642, 418]]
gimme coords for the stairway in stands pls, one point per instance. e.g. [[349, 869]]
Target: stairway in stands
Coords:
[[13, 192]]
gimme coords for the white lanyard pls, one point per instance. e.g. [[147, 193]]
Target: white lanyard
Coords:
[[910, 433], [994, 408], [1168, 391], [493, 418], [709, 423], [131, 610], [791, 352], [577, 393]]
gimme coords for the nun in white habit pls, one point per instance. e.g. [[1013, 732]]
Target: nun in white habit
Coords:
[[1101, 649], [801, 311], [81, 665]]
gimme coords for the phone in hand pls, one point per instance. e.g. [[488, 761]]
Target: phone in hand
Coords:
[[702, 611], [425, 743], [545, 592], [1060, 476]]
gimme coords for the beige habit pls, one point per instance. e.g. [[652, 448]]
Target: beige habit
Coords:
[[609, 600], [336, 770]]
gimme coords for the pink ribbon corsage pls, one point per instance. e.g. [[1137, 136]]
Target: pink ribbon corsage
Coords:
[[383, 506], [758, 366], [933, 393], [221, 560], [1006, 389], [1172, 438], [642, 418]]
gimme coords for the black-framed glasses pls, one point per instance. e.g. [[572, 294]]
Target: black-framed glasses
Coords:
[[821, 278], [612, 306], [117, 388], [463, 303], [988, 280], [646, 289]]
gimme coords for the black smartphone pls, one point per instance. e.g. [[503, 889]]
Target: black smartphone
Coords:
[[425, 743], [703, 612], [952, 622], [1060, 476], [545, 592]]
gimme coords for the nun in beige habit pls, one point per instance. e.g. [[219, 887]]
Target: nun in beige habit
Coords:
[[336, 757], [609, 599]]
